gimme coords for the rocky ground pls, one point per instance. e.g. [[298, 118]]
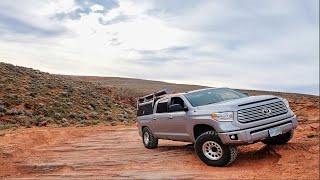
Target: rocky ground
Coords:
[[118, 153]]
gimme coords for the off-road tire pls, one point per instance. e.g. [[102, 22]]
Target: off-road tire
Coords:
[[229, 153], [279, 140], [152, 142]]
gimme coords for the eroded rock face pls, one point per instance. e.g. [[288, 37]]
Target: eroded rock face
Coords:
[[50, 99], [306, 109]]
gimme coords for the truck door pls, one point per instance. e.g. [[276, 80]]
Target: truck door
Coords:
[[178, 120], [160, 119], [171, 125]]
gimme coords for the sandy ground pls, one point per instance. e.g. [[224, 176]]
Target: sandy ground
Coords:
[[118, 153]]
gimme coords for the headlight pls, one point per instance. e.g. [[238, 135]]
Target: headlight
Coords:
[[225, 116], [286, 103]]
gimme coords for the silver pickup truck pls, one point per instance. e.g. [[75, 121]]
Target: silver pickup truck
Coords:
[[216, 120]]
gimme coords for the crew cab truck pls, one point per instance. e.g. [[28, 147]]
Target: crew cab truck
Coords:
[[215, 120]]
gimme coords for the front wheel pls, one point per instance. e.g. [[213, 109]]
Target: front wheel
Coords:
[[281, 139], [212, 151], [149, 141]]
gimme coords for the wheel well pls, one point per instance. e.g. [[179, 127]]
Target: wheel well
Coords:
[[201, 128], [143, 127]]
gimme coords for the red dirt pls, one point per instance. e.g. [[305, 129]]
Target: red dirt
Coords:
[[118, 153]]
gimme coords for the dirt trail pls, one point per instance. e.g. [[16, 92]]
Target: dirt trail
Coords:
[[117, 153]]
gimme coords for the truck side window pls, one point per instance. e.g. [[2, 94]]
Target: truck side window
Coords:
[[162, 106], [145, 109], [177, 100]]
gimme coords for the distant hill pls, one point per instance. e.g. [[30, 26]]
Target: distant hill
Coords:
[[30, 97], [142, 87], [305, 106], [139, 87]]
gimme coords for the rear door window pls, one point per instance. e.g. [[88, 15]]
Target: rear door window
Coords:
[[162, 106]]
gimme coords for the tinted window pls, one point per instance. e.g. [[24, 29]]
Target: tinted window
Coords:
[[177, 100], [162, 106], [211, 96], [145, 109]]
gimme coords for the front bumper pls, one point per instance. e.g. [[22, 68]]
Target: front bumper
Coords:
[[254, 134]]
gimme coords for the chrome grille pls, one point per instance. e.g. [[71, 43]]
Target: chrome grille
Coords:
[[262, 112]]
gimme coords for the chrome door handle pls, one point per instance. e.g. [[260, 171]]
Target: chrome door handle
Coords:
[[170, 117], [154, 118]]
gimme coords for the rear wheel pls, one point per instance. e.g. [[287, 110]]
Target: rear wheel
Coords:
[[212, 151], [281, 139], [149, 141]]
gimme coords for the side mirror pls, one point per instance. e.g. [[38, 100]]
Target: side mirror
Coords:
[[177, 107]]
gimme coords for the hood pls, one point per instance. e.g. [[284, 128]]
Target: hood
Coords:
[[234, 104]]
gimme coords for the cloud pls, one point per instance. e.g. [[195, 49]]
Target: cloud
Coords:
[[17, 26], [85, 7], [117, 19], [17, 21], [269, 45], [266, 45], [162, 55]]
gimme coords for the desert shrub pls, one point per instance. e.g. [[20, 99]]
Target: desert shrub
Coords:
[[22, 111], [120, 116], [73, 115], [22, 120], [108, 118], [10, 121], [96, 122], [82, 116], [3, 109], [57, 116], [107, 113], [2, 127], [86, 123], [12, 112], [94, 115], [79, 125], [114, 123], [65, 124], [93, 105]]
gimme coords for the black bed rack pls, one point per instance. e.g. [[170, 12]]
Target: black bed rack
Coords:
[[153, 96], [146, 103]]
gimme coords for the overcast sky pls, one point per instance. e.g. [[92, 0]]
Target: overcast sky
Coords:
[[250, 44]]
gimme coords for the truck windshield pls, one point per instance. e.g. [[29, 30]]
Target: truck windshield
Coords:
[[211, 96]]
